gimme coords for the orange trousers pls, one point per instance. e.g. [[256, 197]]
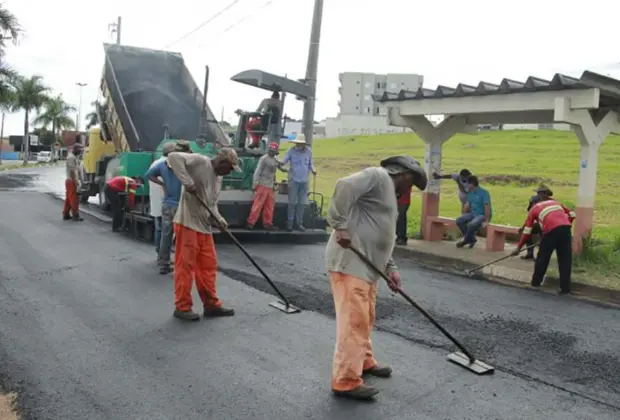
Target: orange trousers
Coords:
[[72, 201], [194, 258], [263, 200], [354, 300]]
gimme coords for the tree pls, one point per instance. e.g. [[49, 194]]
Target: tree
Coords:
[[9, 28], [31, 94], [7, 93], [56, 113], [91, 117]]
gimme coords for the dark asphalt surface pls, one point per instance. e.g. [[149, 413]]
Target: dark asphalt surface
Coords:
[[86, 333]]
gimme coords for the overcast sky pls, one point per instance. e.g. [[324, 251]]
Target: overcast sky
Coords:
[[447, 41]]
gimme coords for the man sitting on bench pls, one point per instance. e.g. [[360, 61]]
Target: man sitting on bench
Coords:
[[478, 212]]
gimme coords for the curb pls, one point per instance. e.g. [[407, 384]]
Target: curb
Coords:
[[507, 276]]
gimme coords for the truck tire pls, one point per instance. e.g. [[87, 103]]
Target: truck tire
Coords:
[[103, 202]]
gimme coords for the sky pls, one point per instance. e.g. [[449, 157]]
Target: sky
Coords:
[[447, 41]]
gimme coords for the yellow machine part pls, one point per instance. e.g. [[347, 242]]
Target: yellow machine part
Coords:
[[97, 148]]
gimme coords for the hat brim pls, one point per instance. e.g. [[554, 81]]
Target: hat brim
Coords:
[[299, 141], [408, 164], [236, 168]]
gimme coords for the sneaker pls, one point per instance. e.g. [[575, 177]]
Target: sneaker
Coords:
[[165, 269], [289, 228], [218, 312], [378, 371], [186, 315], [362, 392], [401, 242], [300, 228]]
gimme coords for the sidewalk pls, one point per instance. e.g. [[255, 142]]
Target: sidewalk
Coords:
[[445, 256]]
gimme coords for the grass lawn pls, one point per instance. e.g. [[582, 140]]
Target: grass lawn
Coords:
[[510, 164]]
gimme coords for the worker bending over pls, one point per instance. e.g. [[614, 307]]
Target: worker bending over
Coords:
[[116, 186], [555, 220], [164, 178], [363, 213], [529, 252], [195, 250], [262, 184], [73, 185]]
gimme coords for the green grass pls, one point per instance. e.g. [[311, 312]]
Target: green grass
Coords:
[[510, 164]]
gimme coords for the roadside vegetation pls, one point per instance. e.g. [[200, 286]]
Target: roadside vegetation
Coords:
[[510, 165], [48, 112]]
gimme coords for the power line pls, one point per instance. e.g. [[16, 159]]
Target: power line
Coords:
[[215, 16], [265, 5]]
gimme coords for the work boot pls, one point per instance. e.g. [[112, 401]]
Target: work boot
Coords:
[[270, 227], [66, 217], [165, 269], [300, 228], [362, 392], [378, 371], [186, 315], [289, 228], [401, 242], [77, 218], [218, 312], [565, 293], [249, 226]]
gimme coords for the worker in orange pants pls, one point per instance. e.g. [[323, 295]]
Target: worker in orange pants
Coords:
[[72, 185], [263, 182], [195, 250], [363, 213]]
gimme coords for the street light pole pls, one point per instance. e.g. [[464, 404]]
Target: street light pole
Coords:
[[116, 28], [79, 113]]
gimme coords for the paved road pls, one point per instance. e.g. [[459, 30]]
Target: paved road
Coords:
[[86, 332]]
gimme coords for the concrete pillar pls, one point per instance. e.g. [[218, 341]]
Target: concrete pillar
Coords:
[[433, 138], [591, 130]]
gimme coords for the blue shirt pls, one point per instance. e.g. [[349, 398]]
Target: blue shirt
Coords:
[[301, 164], [477, 200], [171, 182]]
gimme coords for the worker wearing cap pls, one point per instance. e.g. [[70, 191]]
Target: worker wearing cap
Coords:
[[363, 213], [301, 165], [73, 184], [195, 256], [113, 188], [262, 183], [555, 220], [163, 178]]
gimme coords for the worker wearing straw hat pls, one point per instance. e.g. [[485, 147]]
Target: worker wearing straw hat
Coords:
[[301, 165]]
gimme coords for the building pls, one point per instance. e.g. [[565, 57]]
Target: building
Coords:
[[356, 90]]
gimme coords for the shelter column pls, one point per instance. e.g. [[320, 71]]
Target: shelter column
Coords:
[[591, 130], [433, 138]]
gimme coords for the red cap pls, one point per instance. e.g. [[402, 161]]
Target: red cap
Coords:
[[273, 146]]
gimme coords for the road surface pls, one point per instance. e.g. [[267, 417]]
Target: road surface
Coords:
[[86, 332]]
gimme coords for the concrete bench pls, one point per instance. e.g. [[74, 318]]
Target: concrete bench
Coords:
[[496, 236], [436, 227]]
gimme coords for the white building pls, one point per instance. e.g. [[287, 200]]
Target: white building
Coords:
[[356, 89]]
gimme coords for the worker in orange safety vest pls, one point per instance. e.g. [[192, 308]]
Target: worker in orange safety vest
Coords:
[[116, 186], [555, 221]]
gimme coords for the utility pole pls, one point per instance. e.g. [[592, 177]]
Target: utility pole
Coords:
[[78, 122], [115, 28], [312, 69]]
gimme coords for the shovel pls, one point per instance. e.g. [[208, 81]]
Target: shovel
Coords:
[[463, 358]]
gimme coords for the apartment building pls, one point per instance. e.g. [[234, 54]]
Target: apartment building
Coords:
[[356, 90]]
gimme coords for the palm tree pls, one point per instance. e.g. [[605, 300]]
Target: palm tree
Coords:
[[56, 113], [30, 95], [9, 27], [7, 74], [91, 117]]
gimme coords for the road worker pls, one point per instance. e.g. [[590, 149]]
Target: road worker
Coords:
[[116, 186], [363, 213], [262, 184], [271, 108], [529, 252], [301, 165], [195, 255], [162, 176], [156, 193], [73, 184], [555, 221]]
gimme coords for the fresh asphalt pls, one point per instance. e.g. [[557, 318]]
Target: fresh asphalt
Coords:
[[86, 333]]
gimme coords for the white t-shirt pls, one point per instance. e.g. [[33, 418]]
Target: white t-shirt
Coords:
[[156, 193]]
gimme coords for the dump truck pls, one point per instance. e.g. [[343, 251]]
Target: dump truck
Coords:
[[149, 98]]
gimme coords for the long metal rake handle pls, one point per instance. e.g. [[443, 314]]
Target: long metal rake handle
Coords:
[[497, 260], [415, 305], [245, 252]]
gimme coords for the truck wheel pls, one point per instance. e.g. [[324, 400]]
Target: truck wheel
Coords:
[[103, 202]]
